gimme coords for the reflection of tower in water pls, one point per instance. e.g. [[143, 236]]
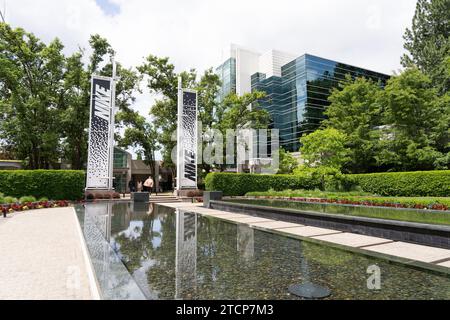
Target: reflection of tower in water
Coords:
[[245, 241], [97, 228], [307, 289], [186, 252]]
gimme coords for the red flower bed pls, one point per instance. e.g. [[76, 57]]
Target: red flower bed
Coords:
[[359, 203], [5, 209]]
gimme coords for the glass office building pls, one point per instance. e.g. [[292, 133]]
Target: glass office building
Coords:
[[296, 100], [227, 75]]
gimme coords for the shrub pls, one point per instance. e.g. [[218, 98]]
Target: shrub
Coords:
[[328, 178], [201, 185], [90, 196], [235, 184], [52, 184], [116, 195], [406, 184], [10, 200], [196, 193], [26, 199]]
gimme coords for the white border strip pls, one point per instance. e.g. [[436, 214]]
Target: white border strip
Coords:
[[93, 284]]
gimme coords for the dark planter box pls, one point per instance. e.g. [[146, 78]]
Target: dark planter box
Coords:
[[210, 196], [140, 196]]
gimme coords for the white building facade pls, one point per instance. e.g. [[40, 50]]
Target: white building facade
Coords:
[[240, 63], [236, 71]]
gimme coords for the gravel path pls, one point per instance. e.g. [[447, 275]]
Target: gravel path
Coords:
[[42, 257]]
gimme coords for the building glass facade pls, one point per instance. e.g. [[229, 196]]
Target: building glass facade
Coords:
[[296, 101], [120, 165], [227, 75]]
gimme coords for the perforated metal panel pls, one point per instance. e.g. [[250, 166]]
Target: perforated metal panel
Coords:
[[99, 149], [187, 140]]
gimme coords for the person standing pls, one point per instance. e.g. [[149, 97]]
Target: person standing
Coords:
[[139, 186], [132, 186], [148, 185]]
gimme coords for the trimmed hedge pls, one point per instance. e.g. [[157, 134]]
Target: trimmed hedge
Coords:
[[52, 184], [394, 184], [238, 184], [406, 184]]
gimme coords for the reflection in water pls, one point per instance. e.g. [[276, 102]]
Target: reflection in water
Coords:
[[181, 255], [113, 279], [245, 241], [186, 252]]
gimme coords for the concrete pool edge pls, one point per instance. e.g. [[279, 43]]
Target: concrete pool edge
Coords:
[[94, 286], [434, 268], [420, 233], [105, 288]]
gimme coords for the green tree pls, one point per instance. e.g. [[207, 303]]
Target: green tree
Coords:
[[288, 163], [140, 135], [74, 116], [355, 110], [416, 132], [207, 88], [232, 113], [325, 147], [31, 87], [235, 113], [162, 80], [428, 41], [45, 96]]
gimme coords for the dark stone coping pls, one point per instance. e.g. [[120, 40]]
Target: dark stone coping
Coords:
[[419, 233], [209, 196], [140, 196], [339, 204]]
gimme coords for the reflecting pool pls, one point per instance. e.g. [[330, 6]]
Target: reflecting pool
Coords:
[[154, 252], [411, 215]]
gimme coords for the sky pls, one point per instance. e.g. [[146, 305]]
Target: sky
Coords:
[[365, 33]]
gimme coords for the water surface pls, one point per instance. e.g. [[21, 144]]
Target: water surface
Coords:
[[180, 255]]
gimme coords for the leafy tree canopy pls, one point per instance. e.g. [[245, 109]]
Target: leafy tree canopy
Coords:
[[288, 163], [428, 41], [325, 147]]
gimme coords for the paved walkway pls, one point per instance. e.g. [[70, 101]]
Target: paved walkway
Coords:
[[42, 256], [409, 251]]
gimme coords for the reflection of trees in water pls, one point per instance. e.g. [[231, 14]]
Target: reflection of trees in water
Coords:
[[346, 275], [224, 272], [136, 250]]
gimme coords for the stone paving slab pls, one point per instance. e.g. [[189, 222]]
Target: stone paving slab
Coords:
[[445, 264], [246, 219], [226, 216], [274, 224], [41, 257], [352, 239], [213, 214], [309, 231], [412, 251], [179, 205]]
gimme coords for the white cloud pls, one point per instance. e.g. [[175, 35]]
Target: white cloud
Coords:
[[192, 33]]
